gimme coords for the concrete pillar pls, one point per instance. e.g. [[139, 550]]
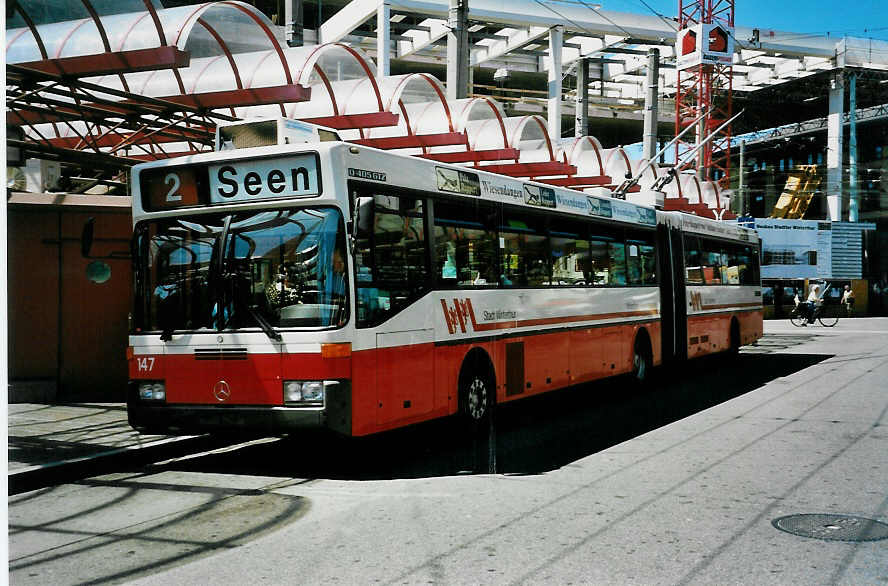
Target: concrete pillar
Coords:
[[649, 140], [834, 146], [383, 39], [581, 109], [741, 182], [556, 41], [458, 50], [853, 194], [293, 22]]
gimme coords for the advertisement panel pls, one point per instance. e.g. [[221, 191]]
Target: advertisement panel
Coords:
[[795, 249], [707, 44]]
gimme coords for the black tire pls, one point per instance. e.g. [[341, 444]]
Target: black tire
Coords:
[[830, 319], [642, 362], [796, 318], [734, 347], [476, 393]]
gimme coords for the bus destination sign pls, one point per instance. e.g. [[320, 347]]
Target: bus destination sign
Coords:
[[235, 181]]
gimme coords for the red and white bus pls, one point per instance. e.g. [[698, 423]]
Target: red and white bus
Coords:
[[331, 285]]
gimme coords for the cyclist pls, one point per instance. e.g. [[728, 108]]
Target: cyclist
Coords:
[[848, 299], [812, 305]]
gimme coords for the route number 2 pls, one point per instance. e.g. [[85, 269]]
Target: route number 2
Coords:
[[174, 182], [145, 364]]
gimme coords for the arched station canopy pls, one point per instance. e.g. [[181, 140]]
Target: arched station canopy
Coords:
[[583, 152], [528, 135], [648, 176], [185, 56], [617, 164], [416, 98]]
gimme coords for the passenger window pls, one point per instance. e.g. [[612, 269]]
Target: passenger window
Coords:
[[391, 266], [465, 246], [693, 261], [599, 267], [525, 253], [617, 264], [641, 262], [571, 262]]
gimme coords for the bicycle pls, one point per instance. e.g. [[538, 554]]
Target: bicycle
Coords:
[[827, 315]]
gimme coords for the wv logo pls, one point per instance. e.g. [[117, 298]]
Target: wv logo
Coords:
[[696, 301], [458, 315]]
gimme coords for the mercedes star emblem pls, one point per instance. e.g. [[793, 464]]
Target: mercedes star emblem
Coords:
[[221, 391]]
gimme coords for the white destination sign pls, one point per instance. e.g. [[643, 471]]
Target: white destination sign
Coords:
[[263, 179]]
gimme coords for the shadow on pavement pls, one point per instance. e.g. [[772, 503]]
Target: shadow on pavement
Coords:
[[532, 436]]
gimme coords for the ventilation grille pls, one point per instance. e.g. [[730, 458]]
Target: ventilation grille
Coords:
[[220, 354]]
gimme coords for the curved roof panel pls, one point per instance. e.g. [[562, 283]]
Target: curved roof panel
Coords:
[[205, 30], [43, 12]]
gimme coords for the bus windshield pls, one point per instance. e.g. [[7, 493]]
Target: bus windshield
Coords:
[[266, 269]]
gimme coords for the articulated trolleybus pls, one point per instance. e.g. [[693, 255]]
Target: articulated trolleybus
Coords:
[[329, 285]]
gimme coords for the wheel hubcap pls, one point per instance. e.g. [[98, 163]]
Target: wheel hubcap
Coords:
[[477, 399]]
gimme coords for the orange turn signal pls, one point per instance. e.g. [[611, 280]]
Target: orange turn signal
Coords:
[[130, 353], [336, 350]]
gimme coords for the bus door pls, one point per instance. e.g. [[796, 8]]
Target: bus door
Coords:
[[392, 275], [673, 303]]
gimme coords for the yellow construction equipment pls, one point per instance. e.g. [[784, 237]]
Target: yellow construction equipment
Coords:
[[797, 195]]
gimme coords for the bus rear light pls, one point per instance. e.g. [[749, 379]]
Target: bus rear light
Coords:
[[336, 350], [130, 353], [311, 392], [152, 390]]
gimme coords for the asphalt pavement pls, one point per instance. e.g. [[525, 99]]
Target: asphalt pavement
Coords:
[[782, 481]]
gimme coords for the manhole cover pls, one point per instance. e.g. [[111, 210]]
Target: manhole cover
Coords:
[[832, 527]]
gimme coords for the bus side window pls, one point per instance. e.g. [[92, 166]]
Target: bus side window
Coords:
[[392, 266], [524, 252], [571, 257], [599, 262], [465, 245], [642, 262], [617, 259], [693, 261]]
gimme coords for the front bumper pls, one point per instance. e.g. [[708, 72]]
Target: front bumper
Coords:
[[185, 419]]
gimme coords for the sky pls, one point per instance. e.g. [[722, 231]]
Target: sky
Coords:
[[857, 18]]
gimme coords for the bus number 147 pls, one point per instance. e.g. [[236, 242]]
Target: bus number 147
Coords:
[[145, 364]]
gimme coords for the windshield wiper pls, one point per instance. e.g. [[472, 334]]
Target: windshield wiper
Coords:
[[263, 323]]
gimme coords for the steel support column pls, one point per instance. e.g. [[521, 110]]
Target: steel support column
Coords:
[[741, 182], [834, 146], [293, 22], [853, 193], [581, 106], [649, 141], [458, 50], [383, 39], [556, 41]]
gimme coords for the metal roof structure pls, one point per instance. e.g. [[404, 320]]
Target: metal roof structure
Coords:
[[514, 35], [112, 89]]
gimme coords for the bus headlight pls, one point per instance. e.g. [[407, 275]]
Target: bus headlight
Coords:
[[152, 390], [309, 392]]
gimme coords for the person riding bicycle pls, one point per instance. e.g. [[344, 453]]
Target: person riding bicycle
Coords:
[[812, 305], [848, 299]]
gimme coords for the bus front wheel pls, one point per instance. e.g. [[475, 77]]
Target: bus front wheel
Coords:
[[642, 362], [476, 395]]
